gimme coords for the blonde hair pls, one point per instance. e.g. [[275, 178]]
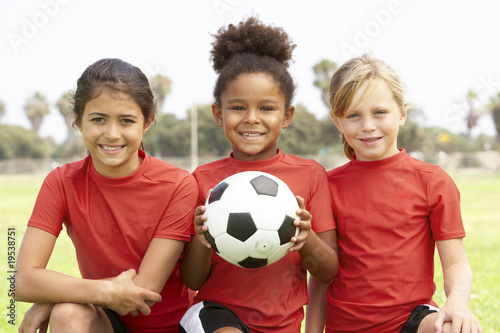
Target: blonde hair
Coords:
[[349, 77]]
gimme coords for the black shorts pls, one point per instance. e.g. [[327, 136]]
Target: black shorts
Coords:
[[416, 316], [208, 317], [118, 325]]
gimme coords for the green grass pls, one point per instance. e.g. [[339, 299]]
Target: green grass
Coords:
[[480, 208]]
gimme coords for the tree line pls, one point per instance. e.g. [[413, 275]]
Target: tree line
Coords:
[[307, 135]]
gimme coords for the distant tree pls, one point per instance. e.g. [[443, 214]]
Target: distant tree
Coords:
[[19, 142], [410, 136], [472, 114], [160, 84], [2, 109], [323, 71], [495, 114], [303, 136], [36, 109], [168, 137], [64, 106], [211, 138], [329, 134]]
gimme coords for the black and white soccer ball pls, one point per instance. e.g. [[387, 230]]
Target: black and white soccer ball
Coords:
[[250, 219]]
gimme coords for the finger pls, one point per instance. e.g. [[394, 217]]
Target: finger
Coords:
[[438, 323], [136, 313], [301, 202], [144, 309], [465, 326], [456, 326], [151, 296], [296, 247], [129, 273], [199, 210]]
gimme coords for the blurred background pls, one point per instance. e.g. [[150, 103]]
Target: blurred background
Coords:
[[446, 53]]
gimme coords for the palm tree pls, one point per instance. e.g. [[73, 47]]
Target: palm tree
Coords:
[[495, 114], [2, 109], [36, 108], [63, 104], [473, 115], [160, 84], [323, 71]]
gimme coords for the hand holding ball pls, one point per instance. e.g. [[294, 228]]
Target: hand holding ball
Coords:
[[250, 219]]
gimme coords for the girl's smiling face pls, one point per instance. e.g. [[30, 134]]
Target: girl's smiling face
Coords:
[[371, 123], [112, 127], [253, 112]]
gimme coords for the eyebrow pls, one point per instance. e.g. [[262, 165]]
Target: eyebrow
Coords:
[[106, 115], [240, 100]]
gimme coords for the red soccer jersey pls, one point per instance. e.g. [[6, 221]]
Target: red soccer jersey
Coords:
[[389, 214], [112, 221], [271, 298]]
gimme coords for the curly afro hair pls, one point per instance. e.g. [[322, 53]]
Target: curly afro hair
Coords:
[[252, 47]]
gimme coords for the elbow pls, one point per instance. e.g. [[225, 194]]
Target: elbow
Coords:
[[327, 274]]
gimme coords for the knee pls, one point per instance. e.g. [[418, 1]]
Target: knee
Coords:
[[70, 317]]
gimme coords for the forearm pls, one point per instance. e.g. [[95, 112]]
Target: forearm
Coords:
[[320, 256], [316, 308], [195, 264], [158, 263], [458, 282], [39, 285]]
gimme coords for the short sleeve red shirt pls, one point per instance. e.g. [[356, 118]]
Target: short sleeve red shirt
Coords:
[[271, 298], [112, 221], [389, 214]]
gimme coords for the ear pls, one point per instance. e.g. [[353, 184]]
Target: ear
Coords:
[[404, 114], [217, 113], [287, 119], [337, 123], [148, 124]]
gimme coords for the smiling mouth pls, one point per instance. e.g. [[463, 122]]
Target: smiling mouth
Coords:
[[251, 134], [111, 148], [370, 139]]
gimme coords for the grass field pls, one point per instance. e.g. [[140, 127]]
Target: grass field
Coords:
[[480, 208]]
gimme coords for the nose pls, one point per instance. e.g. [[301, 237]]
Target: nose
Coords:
[[112, 131], [368, 124], [251, 116]]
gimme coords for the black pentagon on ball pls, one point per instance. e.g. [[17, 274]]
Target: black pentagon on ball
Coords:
[[286, 230], [253, 262], [217, 192], [265, 186], [241, 226], [211, 240]]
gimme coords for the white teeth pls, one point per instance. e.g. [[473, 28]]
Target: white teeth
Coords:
[[251, 134], [110, 148]]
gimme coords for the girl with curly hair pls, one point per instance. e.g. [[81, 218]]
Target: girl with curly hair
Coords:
[[253, 103]]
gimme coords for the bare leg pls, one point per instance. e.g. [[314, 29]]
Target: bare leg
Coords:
[[427, 325], [84, 318]]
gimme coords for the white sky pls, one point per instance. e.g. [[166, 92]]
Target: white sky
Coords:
[[440, 48]]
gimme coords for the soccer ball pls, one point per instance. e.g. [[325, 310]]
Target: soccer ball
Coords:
[[250, 219]]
